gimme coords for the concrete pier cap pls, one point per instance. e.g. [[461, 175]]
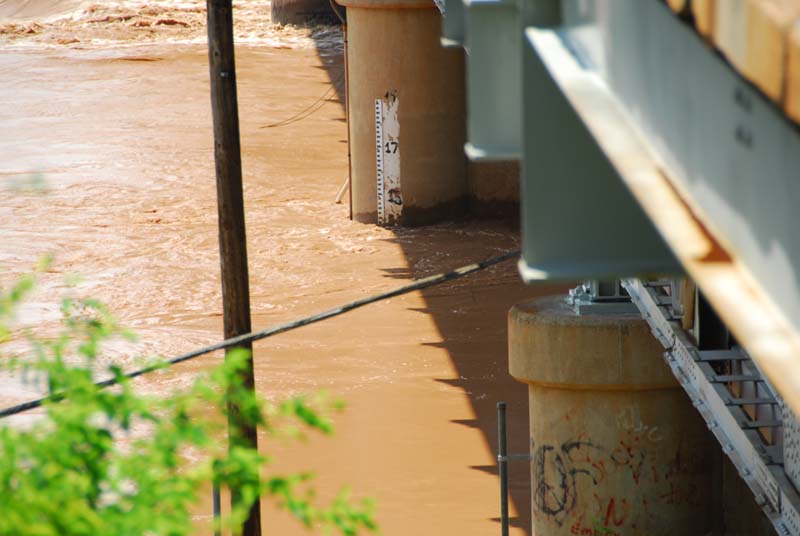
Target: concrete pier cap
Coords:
[[394, 56], [616, 446]]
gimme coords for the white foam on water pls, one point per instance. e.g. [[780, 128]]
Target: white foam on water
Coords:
[[26, 24]]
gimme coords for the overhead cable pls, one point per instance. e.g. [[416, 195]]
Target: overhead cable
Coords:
[[252, 336]]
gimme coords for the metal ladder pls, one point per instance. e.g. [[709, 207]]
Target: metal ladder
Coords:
[[748, 418]]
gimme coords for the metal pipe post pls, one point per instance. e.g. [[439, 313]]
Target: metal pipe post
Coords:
[[502, 465], [215, 497], [347, 117], [230, 203]]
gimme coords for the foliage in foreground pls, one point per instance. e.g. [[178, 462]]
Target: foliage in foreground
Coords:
[[69, 474]]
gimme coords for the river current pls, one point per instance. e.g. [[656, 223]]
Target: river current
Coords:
[[106, 163]]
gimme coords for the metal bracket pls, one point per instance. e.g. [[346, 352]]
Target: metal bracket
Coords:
[[514, 458], [600, 297]]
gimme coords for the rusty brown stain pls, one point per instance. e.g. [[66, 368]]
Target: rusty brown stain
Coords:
[[716, 252]]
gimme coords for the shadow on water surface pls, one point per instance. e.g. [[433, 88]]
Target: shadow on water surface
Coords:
[[470, 315]]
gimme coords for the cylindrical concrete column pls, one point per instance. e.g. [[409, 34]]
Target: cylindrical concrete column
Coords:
[[394, 55], [617, 448]]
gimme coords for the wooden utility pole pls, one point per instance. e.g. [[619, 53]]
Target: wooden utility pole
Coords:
[[230, 204]]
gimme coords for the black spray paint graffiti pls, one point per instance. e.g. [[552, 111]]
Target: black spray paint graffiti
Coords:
[[555, 473]]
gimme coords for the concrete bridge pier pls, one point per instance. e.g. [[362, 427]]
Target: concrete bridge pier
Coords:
[[616, 446], [407, 114]]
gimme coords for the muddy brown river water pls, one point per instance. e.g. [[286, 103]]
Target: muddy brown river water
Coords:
[[115, 121]]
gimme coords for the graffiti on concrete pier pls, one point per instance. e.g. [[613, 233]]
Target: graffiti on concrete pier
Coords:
[[600, 489]]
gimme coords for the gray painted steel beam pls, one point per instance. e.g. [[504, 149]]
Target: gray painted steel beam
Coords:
[[453, 24], [729, 148], [578, 218], [493, 41]]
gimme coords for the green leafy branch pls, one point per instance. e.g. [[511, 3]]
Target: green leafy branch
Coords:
[[71, 473]]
